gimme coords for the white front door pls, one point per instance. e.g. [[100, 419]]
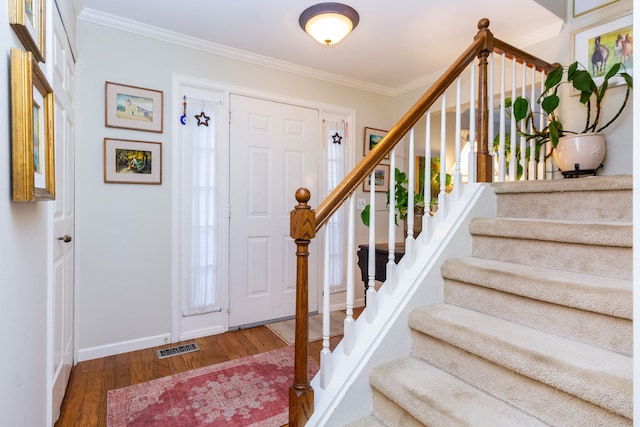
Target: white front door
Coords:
[[275, 149], [61, 297]]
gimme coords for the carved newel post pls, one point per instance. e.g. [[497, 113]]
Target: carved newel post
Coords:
[[303, 229], [484, 172]]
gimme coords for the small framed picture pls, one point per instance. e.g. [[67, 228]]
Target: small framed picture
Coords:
[[131, 107], [32, 137], [132, 162], [600, 46], [582, 7], [27, 18], [380, 179], [372, 137]]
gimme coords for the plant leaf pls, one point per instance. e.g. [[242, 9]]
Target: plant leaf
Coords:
[[364, 215], [553, 78], [583, 82], [612, 71], [550, 103], [520, 108]]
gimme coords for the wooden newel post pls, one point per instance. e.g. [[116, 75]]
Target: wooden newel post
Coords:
[[484, 172], [303, 229]]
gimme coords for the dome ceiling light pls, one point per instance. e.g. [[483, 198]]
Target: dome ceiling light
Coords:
[[329, 23]]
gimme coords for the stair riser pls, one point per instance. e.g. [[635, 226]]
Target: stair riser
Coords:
[[610, 333], [549, 404], [603, 261], [606, 206], [391, 414]]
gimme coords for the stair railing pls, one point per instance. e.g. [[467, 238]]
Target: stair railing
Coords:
[[505, 151]]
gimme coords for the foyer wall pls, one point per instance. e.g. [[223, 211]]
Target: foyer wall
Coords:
[[23, 302], [124, 231]]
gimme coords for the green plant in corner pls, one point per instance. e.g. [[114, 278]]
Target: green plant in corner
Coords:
[[591, 96]]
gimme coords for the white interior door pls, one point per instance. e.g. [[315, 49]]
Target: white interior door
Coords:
[[61, 297], [275, 149]]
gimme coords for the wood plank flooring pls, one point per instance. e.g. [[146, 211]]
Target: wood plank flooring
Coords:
[[85, 403]]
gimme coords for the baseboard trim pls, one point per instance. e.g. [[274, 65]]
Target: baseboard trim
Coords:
[[121, 347]]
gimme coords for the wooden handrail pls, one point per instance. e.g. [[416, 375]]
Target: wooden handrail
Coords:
[[305, 222]]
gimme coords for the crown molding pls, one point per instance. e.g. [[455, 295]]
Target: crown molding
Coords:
[[116, 22]]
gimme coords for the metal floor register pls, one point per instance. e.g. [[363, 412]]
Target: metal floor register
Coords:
[[180, 349]]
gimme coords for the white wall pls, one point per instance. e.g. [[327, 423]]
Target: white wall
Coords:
[[23, 281], [124, 230]]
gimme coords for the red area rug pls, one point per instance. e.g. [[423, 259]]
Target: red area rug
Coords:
[[252, 391]]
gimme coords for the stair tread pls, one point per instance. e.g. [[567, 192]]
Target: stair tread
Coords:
[[599, 376], [566, 231], [431, 395], [598, 294], [595, 183]]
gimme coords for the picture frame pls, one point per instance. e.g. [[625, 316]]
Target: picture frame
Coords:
[[582, 7], [381, 179], [32, 134], [610, 35], [132, 107], [372, 137], [27, 18], [132, 162]]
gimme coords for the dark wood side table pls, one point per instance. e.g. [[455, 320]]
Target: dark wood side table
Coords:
[[382, 257]]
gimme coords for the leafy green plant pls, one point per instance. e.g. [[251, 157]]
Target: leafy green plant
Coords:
[[591, 96]]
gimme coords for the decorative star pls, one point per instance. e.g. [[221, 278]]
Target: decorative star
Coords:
[[337, 139], [203, 119]]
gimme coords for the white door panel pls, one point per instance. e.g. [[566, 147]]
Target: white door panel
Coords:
[[275, 150], [61, 298]]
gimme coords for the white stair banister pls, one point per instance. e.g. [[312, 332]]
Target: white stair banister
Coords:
[[472, 127], [501, 157], [390, 284], [349, 322], [325, 353], [370, 294], [442, 208], [409, 251], [457, 174]]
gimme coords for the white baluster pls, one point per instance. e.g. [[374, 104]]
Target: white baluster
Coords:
[[349, 322], [491, 130], [457, 174], [442, 208], [523, 140], [325, 353], [472, 126], [409, 249], [426, 218], [370, 294], [501, 157], [390, 283], [532, 143], [513, 141]]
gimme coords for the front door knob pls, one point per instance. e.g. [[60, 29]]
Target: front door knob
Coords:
[[66, 238]]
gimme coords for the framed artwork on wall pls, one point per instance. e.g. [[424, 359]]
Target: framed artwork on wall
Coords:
[[132, 162], [381, 179], [27, 18], [131, 107], [600, 46], [582, 7], [32, 137], [372, 137]]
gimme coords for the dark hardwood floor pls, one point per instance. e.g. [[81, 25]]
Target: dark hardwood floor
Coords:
[[85, 403]]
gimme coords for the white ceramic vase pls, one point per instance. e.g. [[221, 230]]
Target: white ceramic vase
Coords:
[[586, 150]]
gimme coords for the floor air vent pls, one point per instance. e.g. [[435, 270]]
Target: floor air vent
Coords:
[[179, 349]]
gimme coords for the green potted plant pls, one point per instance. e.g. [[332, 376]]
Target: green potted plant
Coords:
[[565, 143]]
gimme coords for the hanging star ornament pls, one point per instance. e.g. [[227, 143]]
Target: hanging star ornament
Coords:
[[203, 119], [337, 139]]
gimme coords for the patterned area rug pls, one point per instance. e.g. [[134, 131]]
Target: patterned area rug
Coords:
[[252, 391]]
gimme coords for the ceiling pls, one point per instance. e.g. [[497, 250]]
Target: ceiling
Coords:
[[393, 47]]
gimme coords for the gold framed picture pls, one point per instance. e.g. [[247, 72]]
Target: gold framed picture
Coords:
[[131, 107], [132, 162], [27, 18], [32, 137]]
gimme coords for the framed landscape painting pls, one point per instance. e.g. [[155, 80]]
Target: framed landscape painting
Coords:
[[132, 162], [372, 137], [131, 107], [32, 135], [27, 18]]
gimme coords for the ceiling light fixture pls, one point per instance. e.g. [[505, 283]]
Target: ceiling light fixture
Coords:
[[329, 23]]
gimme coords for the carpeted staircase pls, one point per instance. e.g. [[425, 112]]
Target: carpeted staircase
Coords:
[[535, 327]]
